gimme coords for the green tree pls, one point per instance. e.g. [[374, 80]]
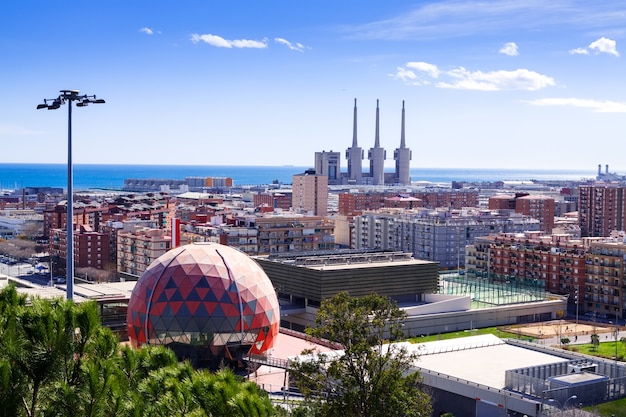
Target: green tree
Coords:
[[370, 378], [57, 360], [595, 340]]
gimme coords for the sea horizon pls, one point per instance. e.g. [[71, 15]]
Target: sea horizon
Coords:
[[111, 176]]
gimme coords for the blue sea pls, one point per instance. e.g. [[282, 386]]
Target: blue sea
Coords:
[[92, 176]]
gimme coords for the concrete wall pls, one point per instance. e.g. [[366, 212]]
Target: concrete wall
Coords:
[[440, 303], [484, 317]]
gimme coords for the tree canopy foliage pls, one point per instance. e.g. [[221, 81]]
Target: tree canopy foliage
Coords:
[[57, 360], [371, 377]]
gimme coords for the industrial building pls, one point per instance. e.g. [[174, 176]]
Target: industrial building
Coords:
[[329, 163]]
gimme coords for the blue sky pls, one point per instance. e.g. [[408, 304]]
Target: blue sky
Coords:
[[494, 84]]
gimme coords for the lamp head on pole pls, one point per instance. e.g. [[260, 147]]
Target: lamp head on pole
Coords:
[[69, 95]]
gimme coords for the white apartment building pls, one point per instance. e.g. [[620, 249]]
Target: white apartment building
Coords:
[[433, 235]]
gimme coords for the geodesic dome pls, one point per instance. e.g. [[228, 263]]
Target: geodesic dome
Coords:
[[206, 301]]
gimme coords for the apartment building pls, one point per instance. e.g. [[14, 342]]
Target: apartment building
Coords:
[[92, 215], [310, 193], [555, 263], [91, 248], [433, 235], [275, 200], [538, 207], [604, 285], [601, 209], [354, 203], [289, 233], [138, 247]]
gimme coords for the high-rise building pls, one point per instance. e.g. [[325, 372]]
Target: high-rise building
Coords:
[[310, 193], [602, 209], [354, 155], [329, 164], [402, 156], [377, 155]]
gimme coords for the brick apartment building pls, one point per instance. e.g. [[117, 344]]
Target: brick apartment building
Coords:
[[536, 206], [354, 203], [601, 209], [91, 248]]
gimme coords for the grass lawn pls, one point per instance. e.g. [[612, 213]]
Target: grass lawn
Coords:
[[615, 408], [465, 333], [604, 350]]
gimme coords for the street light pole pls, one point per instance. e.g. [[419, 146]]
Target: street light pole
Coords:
[[69, 96]]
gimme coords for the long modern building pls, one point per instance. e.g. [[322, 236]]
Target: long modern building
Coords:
[[303, 280]]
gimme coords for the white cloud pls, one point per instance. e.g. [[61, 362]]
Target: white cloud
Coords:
[[147, 31], [220, 42], [429, 69], [409, 77], [510, 49], [598, 106], [461, 78], [579, 51], [293, 46], [604, 45]]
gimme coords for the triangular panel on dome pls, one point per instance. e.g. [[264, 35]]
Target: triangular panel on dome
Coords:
[[182, 281], [175, 295], [167, 310], [259, 321], [193, 294], [183, 311], [185, 291], [210, 327], [217, 311], [233, 323], [157, 308], [201, 311], [192, 306], [249, 307], [218, 292], [165, 323], [175, 306], [229, 309], [194, 324], [220, 324], [169, 283], [206, 294], [162, 296]]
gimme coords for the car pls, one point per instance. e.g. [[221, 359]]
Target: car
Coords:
[[59, 280]]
